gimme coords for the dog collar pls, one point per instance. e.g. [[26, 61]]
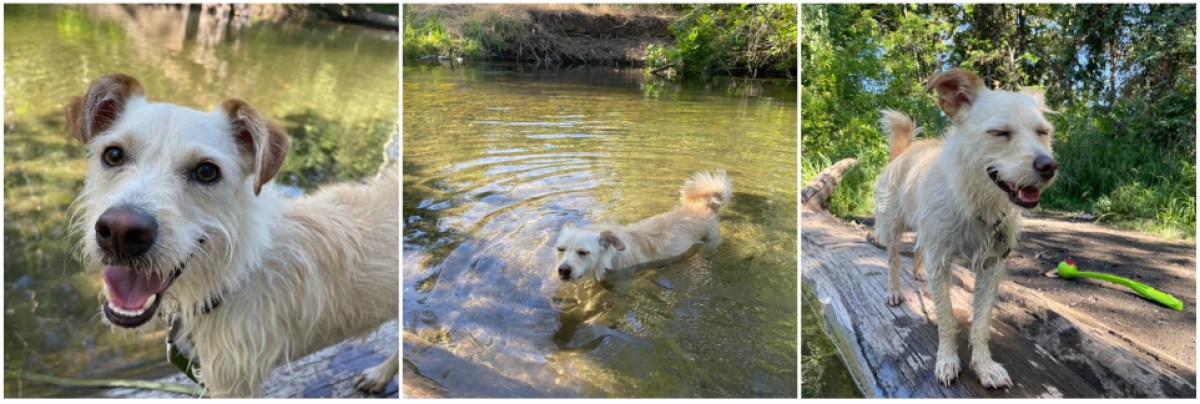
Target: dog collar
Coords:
[[998, 232], [181, 358]]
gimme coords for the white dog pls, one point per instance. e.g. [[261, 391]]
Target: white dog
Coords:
[[599, 248], [963, 195], [178, 210]]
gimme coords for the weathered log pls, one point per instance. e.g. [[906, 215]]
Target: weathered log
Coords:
[[1049, 349], [330, 372], [815, 196]]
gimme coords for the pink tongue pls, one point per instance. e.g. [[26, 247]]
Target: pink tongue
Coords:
[[129, 289], [1030, 194]]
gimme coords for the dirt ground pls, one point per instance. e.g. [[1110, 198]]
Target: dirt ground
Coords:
[[1169, 266]]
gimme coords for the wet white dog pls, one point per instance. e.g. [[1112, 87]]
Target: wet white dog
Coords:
[[597, 249], [963, 194], [178, 210]]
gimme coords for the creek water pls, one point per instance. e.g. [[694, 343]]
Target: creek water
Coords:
[[332, 87], [498, 157]]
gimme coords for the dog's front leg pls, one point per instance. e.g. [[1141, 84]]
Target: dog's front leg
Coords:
[[377, 378], [987, 280], [948, 366]]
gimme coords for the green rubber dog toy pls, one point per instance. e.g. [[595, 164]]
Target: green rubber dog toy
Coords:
[[1067, 269]]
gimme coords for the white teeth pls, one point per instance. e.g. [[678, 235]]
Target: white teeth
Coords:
[[150, 301], [127, 313]]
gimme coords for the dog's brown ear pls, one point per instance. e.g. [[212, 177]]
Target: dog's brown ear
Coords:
[[956, 88], [261, 138], [608, 240], [104, 102], [1037, 94]]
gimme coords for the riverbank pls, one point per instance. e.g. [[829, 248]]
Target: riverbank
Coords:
[[606, 35]]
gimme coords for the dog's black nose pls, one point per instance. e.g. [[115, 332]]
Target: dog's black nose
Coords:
[[125, 232], [564, 272], [1045, 166]]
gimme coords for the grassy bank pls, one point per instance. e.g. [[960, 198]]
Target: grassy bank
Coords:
[[545, 34], [677, 41]]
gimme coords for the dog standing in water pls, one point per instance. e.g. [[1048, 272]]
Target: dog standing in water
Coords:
[[599, 248], [963, 194], [179, 212]]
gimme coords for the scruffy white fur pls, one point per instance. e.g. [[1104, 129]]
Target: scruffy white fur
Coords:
[[597, 249], [293, 275], [963, 195]]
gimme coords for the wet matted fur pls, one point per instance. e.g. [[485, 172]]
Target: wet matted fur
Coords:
[[963, 194], [599, 248], [179, 213]]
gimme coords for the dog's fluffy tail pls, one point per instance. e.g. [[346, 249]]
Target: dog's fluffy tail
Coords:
[[900, 129], [706, 192]]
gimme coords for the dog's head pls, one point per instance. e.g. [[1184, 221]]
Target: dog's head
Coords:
[[1000, 135], [581, 251], [165, 190]]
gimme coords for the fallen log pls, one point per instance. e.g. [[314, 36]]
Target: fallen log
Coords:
[[1049, 349]]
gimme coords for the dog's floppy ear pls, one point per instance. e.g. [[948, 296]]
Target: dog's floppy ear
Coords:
[[956, 88], [104, 102], [608, 240], [1037, 94], [263, 139]]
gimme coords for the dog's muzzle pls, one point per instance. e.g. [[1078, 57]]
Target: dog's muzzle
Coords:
[[1027, 196], [564, 272], [124, 235], [126, 232]]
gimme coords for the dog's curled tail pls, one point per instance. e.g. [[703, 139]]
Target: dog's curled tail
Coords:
[[706, 192], [899, 128]]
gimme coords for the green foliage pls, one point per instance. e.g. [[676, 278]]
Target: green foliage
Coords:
[[729, 40], [481, 36], [1122, 77]]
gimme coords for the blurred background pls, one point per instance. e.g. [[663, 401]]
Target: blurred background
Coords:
[[327, 74]]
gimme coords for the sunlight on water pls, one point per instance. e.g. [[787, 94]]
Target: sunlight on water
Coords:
[[497, 158]]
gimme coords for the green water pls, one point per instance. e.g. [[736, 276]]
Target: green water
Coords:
[[824, 374], [498, 157], [332, 87]]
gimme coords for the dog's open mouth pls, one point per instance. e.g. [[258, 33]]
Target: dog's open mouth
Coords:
[[1024, 196], [134, 296]]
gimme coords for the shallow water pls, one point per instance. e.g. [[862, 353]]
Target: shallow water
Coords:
[[497, 158], [332, 87], [824, 375]]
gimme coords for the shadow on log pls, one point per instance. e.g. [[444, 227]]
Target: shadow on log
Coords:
[[1049, 349]]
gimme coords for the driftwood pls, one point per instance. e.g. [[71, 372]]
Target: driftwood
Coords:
[[1049, 349], [330, 372]]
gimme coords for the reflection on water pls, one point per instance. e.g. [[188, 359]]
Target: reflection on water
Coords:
[[332, 87], [825, 375], [496, 158]]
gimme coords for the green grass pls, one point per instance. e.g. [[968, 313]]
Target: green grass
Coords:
[[477, 36], [1126, 181]]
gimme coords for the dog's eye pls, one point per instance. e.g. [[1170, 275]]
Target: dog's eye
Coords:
[[1043, 132], [561, 249], [113, 156], [1002, 133], [207, 172], [582, 253]]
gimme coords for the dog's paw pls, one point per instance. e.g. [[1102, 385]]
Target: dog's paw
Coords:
[[947, 369], [991, 374], [919, 275], [894, 299], [375, 379]]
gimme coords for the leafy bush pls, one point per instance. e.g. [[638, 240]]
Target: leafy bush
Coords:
[[729, 40], [1126, 139]]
